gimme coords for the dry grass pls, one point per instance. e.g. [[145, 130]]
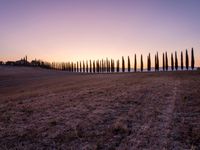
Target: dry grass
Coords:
[[43, 109]]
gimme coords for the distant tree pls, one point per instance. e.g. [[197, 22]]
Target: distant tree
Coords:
[[181, 60], [97, 66], [141, 64], [123, 64], [107, 65], [176, 61], [129, 64], [149, 62], [157, 62], [72, 67], [101, 65], [93, 66], [77, 70], [135, 64], [90, 66], [192, 59], [117, 65], [87, 66], [83, 66], [112, 65], [163, 62], [186, 59], [166, 61], [80, 67], [172, 62]]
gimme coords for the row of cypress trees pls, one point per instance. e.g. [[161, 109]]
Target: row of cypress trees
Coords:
[[107, 65]]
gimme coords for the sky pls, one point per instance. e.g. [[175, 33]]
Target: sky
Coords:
[[72, 30]]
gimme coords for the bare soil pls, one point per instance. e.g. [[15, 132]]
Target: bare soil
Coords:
[[46, 109]]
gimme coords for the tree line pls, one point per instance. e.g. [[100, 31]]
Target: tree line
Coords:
[[110, 65]]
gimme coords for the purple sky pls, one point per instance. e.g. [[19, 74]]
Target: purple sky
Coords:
[[71, 30]]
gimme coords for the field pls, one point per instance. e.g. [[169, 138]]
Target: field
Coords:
[[45, 109]]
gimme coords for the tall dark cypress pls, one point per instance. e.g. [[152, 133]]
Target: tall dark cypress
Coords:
[[163, 62], [155, 62], [97, 66], [172, 62], [77, 70], [74, 67], [135, 64], [117, 65], [176, 61], [71, 67], [192, 59], [129, 64], [149, 62], [87, 66], [166, 61], [113, 65], [158, 62], [186, 59], [90, 66], [107, 68], [93, 66], [181, 60], [123, 64], [80, 67], [83, 66], [141, 64]]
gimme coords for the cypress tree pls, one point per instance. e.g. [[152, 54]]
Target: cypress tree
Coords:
[[163, 62], [77, 67], [80, 67], [186, 60], [71, 64], [90, 66], [176, 61], [83, 66], [107, 64], [117, 65], [181, 60], [166, 61], [141, 64], [135, 64], [93, 66], [157, 62], [97, 66], [129, 64], [172, 62], [123, 64], [113, 66], [74, 67], [149, 62], [87, 66], [192, 59]]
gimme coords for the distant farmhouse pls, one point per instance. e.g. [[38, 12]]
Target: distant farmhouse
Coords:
[[24, 62]]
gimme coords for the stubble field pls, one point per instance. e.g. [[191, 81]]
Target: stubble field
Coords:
[[46, 109]]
